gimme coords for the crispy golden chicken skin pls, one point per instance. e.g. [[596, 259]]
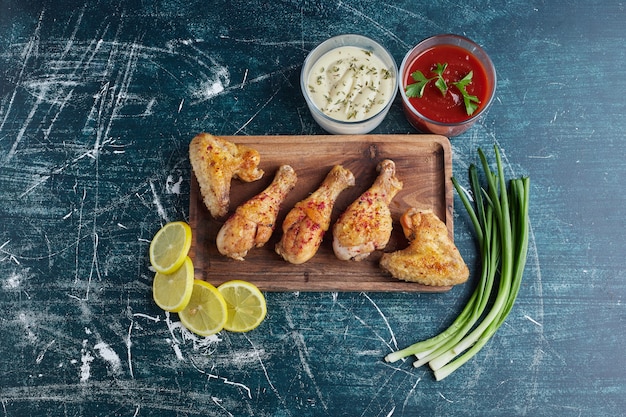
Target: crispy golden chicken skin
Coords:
[[431, 257], [215, 162], [305, 224], [254, 221], [366, 225]]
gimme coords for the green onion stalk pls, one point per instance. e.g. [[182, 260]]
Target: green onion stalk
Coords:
[[499, 215]]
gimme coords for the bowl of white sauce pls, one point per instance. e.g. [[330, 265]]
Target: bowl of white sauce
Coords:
[[349, 83]]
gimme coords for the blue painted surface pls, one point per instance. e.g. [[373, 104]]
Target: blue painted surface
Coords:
[[98, 102]]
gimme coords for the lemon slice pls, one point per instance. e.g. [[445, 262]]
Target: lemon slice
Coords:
[[172, 291], [170, 246], [245, 303], [205, 313]]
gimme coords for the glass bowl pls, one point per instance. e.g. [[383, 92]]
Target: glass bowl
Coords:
[[424, 113], [336, 71]]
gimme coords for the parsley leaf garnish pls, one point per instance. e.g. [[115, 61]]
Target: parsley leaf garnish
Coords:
[[441, 83], [417, 89], [471, 102]]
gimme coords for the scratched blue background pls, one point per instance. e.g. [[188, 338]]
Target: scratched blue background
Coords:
[[98, 102]]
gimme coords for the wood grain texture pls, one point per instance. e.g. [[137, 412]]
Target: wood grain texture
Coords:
[[423, 164]]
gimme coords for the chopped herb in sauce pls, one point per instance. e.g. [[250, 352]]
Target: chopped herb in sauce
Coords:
[[351, 84]]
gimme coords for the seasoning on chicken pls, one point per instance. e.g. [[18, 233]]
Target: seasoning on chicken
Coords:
[[254, 221], [431, 257], [366, 224], [305, 225], [215, 162]]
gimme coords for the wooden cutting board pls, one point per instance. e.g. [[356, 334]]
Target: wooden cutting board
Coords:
[[423, 164]]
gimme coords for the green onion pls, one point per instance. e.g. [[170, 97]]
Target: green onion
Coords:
[[499, 215]]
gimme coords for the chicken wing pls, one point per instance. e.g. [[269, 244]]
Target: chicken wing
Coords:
[[215, 162], [366, 224], [305, 225], [253, 222], [431, 257]]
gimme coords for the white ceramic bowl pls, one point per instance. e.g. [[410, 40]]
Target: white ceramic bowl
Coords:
[[333, 124]]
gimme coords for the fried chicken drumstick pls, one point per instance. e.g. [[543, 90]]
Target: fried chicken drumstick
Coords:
[[254, 221], [366, 224], [305, 225]]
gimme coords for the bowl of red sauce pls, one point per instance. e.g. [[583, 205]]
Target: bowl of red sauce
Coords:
[[446, 82]]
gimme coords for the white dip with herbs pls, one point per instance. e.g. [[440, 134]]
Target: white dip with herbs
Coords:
[[350, 84]]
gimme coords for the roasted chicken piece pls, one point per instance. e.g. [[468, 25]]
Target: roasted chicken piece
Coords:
[[431, 257], [366, 224], [253, 222], [305, 225], [215, 162]]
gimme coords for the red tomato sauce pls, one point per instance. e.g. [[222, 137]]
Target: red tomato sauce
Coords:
[[448, 108]]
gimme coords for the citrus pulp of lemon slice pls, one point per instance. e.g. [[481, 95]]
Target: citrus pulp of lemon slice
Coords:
[[170, 246], [205, 314], [245, 304], [172, 291]]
